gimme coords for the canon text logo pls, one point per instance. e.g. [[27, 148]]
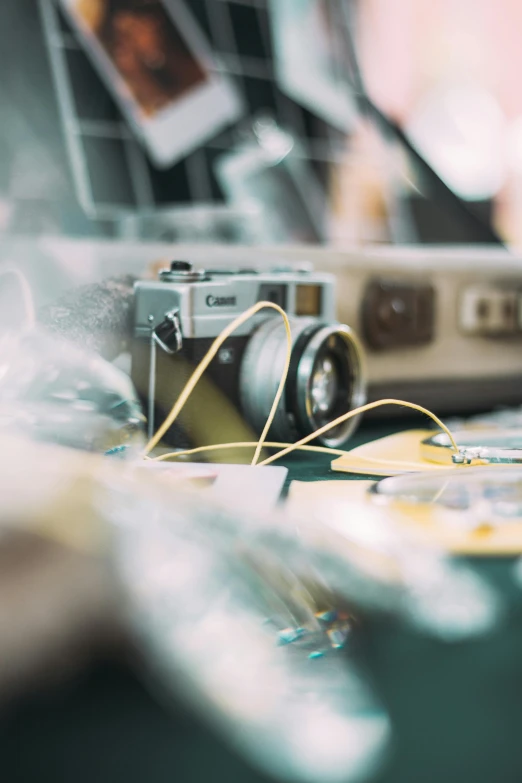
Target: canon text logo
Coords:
[[220, 301]]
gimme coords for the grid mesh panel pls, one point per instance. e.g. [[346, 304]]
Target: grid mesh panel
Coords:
[[110, 169]]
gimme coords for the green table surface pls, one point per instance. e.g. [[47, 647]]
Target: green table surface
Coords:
[[103, 725]]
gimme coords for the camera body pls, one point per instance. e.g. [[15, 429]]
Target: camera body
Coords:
[[178, 317]]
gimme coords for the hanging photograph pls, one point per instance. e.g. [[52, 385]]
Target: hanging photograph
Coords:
[[156, 63]]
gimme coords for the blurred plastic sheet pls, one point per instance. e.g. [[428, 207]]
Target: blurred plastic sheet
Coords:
[[247, 617], [374, 565], [230, 626], [51, 391]]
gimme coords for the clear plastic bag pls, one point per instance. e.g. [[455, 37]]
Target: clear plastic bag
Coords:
[[54, 392], [230, 628], [251, 620], [383, 567]]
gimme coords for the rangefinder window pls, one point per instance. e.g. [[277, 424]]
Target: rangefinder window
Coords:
[[275, 293], [308, 299]]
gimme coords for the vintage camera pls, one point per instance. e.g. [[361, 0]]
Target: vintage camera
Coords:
[[178, 316]]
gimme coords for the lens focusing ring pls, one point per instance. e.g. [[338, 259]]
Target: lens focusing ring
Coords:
[[355, 393], [292, 388], [263, 364]]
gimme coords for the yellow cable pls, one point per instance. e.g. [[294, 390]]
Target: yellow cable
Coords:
[[288, 448], [299, 446], [370, 406], [244, 445], [270, 445], [202, 366]]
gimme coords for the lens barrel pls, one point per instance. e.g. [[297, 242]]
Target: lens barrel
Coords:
[[326, 379]]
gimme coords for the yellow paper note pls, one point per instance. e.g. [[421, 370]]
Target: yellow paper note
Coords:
[[389, 456], [430, 524]]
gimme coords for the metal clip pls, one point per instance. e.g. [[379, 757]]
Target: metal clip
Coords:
[[467, 456], [488, 446], [168, 333], [488, 456], [170, 339]]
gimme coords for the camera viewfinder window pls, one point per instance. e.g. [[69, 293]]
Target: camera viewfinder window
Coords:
[[307, 300]]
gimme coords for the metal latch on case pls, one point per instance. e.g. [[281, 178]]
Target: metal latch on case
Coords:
[[398, 314], [491, 311]]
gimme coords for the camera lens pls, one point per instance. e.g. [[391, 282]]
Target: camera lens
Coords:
[[325, 380], [325, 385], [331, 382]]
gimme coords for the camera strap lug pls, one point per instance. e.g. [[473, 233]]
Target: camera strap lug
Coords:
[[168, 333]]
